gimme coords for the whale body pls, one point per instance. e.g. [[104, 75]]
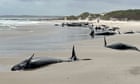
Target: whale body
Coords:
[[38, 62], [120, 46]]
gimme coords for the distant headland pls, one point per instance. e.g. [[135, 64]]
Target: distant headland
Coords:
[[121, 15]]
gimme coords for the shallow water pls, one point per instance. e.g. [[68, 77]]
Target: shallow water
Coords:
[[43, 42]]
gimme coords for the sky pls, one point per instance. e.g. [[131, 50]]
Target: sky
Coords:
[[64, 7]]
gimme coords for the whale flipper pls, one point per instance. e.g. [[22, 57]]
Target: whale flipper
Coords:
[[29, 60]]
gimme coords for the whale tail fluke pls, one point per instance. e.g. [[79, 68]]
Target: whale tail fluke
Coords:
[[73, 57]]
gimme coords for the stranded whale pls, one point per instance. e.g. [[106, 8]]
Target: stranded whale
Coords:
[[34, 63], [120, 46]]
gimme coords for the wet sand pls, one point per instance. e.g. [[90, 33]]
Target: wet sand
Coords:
[[40, 37], [106, 67]]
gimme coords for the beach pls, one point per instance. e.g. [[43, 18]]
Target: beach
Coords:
[[107, 66]]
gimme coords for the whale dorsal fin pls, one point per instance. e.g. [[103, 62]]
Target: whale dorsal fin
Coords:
[[105, 43], [73, 57]]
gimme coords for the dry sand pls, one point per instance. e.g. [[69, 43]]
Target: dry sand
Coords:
[[106, 67]]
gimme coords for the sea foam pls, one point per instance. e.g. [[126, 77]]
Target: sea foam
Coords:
[[11, 24]]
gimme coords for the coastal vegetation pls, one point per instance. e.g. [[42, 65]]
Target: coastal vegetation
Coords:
[[123, 15], [131, 14], [83, 16]]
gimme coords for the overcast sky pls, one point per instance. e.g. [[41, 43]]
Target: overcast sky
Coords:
[[63, 7]]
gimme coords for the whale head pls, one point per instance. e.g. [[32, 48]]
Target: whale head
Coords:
[[19, 66], [22, 65]]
